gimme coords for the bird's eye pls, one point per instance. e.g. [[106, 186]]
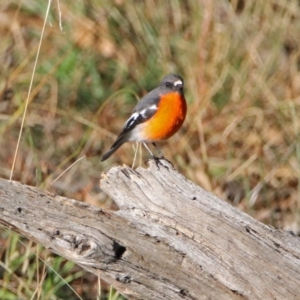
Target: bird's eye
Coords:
[[168, 84]]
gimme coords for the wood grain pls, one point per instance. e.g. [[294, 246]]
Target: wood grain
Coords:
[[169, 240]]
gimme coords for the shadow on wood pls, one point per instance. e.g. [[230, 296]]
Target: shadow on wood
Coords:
[[169, 240]]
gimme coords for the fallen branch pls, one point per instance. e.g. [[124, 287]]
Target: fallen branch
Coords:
[[169, 240]]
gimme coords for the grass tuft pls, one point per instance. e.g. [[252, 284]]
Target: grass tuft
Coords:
[[240, 61]]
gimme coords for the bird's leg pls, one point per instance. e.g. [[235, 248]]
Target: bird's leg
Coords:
[[153, 156], [161, 155], [158, 150], [157, 159]]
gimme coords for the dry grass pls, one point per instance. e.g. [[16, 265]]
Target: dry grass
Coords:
[[240, 62]]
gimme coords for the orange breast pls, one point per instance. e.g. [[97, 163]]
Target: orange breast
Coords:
[[168, 118]]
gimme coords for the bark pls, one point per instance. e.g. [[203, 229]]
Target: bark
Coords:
[[170, 239]]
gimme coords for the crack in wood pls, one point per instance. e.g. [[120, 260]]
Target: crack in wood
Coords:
[[118, 249], [168, 248]]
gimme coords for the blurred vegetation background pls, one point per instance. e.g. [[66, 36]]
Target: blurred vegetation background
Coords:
[[240, 61]]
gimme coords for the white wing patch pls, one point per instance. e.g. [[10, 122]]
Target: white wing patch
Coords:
[[178, 82], [140, 116], [131, 120], [144, 112]]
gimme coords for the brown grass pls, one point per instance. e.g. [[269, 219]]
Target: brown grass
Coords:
[[240, 62]]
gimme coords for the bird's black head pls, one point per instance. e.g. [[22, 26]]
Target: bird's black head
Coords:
[[172, 82]]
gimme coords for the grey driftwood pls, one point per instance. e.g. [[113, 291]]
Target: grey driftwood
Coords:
[[170, 239]]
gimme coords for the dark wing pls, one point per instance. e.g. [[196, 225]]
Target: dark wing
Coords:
[[143, 111]]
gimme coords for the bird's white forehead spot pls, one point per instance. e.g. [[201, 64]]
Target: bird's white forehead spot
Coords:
[[178, 82]]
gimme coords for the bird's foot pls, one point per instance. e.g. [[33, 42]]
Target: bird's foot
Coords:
[[160, 161]]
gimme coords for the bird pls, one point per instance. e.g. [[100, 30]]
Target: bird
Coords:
[[156, 117]]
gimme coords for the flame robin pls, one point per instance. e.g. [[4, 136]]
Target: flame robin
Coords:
[[156, 117]]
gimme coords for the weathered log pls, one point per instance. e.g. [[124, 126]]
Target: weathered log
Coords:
[[169, 240]]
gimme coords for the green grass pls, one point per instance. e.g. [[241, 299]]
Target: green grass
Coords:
[[240, 61]]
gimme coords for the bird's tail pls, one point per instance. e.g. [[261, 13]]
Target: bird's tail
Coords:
[[115, 146]]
